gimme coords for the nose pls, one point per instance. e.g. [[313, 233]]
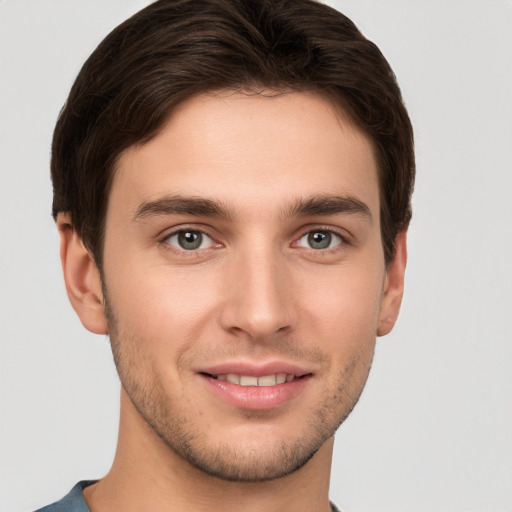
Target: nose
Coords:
[[258, 296]]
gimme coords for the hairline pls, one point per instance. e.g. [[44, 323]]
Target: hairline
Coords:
[[332, 100]]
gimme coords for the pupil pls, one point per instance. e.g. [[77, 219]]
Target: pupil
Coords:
[[190, 239], [319, 239]]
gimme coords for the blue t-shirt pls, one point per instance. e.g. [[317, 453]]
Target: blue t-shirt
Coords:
[[74, 501]]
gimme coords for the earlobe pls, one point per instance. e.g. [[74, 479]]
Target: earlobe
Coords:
[[82, 278], [393, 287]]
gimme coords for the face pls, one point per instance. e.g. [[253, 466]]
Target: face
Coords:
[[245, 279]]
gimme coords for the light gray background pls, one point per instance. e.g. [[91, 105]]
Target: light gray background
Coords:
[[433, 430]]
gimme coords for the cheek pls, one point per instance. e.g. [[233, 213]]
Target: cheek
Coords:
[[342, 314], [345, 296], [161, 303]]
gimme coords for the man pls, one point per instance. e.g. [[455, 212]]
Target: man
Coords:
[[232, 187]]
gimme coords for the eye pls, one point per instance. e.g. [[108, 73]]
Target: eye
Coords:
[[189, 240], [320, 239]]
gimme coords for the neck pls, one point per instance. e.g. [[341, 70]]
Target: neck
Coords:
[[148, 475]]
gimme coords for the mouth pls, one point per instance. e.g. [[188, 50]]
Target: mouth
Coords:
[[263, 386], [250, 386], [252, 380]]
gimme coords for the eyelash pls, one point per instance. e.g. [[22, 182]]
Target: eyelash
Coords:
[[342, 240], [166, 245]]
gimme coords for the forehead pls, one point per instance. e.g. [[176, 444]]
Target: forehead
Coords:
[[251, 149]]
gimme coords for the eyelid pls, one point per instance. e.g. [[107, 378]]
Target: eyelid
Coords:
[[344, 235], [340, 240], [166, 234]]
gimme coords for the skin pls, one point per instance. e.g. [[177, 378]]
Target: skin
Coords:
[[259, 290]]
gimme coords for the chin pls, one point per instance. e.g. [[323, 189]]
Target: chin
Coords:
[[248, 462]]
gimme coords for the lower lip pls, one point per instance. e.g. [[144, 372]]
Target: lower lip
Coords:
[[258, 398]]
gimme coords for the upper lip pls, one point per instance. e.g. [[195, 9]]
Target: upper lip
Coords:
[[255, 369]]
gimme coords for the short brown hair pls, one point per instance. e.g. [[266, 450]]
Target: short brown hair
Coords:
[[174, 49]]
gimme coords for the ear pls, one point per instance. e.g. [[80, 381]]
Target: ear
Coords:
[[393, 288], [82, 277]]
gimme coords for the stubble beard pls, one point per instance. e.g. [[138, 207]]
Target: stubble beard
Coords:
[[226, 461]]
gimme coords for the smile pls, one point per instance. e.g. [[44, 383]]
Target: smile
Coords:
[[260, 390], [251, 380]]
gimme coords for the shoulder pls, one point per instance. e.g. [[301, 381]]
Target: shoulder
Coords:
[[72, 502]]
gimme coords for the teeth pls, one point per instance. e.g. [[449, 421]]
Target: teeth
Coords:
[[234, 379], [281, 378], [268, 380], [250, 380]]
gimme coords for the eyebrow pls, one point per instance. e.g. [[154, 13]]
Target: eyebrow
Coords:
[[329, 205], [322, 205], [180, 205]]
